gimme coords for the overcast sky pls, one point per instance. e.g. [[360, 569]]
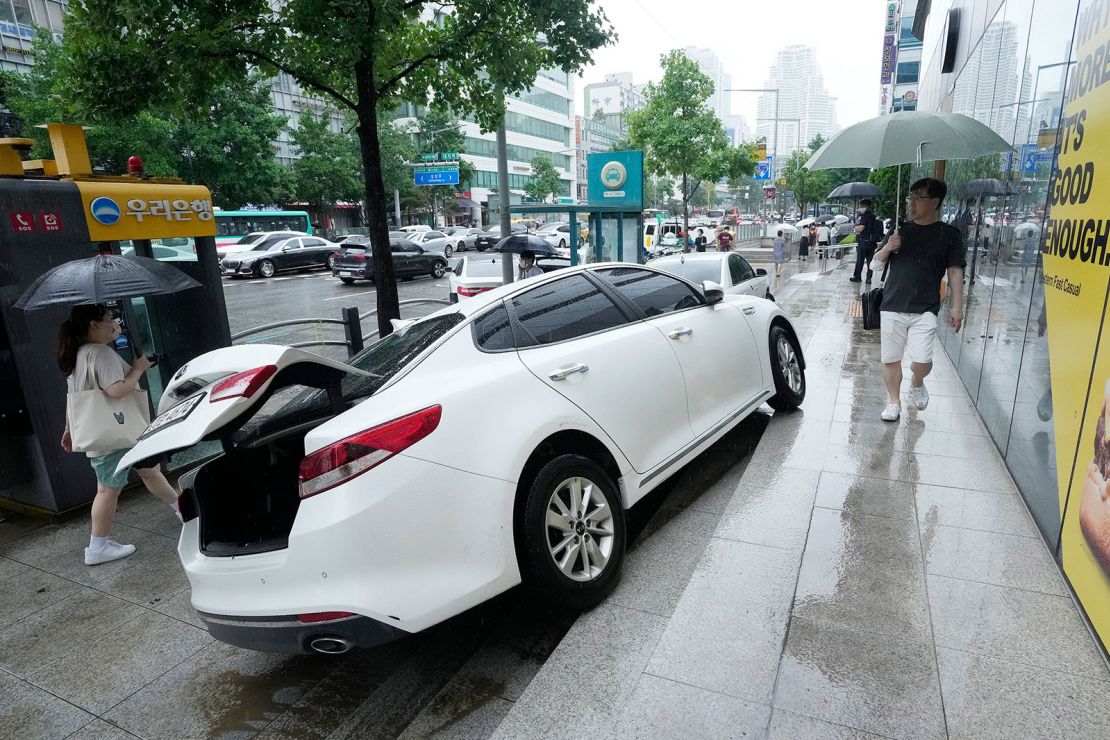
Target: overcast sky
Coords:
[[848, 36]]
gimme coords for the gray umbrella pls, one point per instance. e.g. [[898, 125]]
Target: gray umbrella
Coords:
[[853, 190], [104, 277]]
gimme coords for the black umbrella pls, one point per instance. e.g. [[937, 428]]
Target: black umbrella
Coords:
[[105, 277], [985, 188], [855, 190], [518, 243]]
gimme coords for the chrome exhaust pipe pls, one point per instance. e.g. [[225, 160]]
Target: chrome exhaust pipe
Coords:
[[330, 645]]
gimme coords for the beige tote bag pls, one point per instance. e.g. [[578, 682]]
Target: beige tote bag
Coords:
[[100, 423]]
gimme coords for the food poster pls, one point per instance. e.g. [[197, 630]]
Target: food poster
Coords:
[[1076, 271]]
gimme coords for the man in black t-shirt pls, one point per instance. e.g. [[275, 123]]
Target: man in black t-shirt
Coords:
[[919, 254]]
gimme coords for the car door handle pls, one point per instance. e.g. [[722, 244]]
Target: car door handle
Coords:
[[565, 372], [680, 332]]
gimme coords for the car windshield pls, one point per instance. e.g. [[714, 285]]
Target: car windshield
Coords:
[[383, 360], [250, 238], [483, 268], [695, 271]]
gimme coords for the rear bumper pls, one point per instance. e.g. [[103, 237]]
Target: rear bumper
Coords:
[[287, 634], [359, 273]]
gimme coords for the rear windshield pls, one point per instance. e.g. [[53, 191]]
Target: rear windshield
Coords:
[[695, 271], [383, 359], [354, 249], [483, 268]]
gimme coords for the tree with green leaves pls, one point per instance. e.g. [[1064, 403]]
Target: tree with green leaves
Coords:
[[545, 180], [658, 191], [226, 144], [364, 56], [439, 131], [680, 135], [328, 169], [809, 187], [887, 179]]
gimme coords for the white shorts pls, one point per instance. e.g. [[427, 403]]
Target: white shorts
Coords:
[[907, 333]]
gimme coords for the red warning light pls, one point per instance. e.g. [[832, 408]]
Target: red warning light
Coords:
[[135, 165]]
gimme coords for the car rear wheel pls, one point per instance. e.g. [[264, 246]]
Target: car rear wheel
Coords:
[[786, 367], [448, 251], [331, 261], [573, 533], [266, 269], [562, 244], [481, 248], [461, 246], [439, 269]]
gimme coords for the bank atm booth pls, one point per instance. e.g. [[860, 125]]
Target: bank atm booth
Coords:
[[55, 211], [613, 215]]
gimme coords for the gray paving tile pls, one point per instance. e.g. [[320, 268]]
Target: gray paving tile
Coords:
[[800, 447], [870, 461], [458, 712], [873, 496], [971, 509], [29, 712], [62, 629], [602, 658], [153, 578], [180, 606], [990, 698], [987, 474], [660, 708], [219, 691], [775, 514], [27, 590], [990, 557], [863, 573], [108, 670], [98, 729], [793, 726], [142, 510], [1027, 627], [881, 684], [726, 633], [656, 571]]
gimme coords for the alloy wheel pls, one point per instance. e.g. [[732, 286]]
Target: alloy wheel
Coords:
[[789, 365], [580, 529], [266, 269]]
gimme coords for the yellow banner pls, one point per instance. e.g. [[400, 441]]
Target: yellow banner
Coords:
[[117, 211], [1076, 273]]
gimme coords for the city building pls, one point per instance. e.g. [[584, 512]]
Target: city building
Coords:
[[612, 99], [901, 61], [805, 108], [737, 129], [591, 136], [538, 121], [1031, 354], [711, 65], [19, 20]]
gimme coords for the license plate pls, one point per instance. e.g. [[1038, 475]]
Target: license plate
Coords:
[[344, 273], [176, 414]]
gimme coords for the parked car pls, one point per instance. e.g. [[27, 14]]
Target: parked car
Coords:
[[432, 241], [357, 502], [255, 239], [356, 262], [476, 274], [728, 269], [166, 254], [271, 256], [463, 237], [557, 235], [415, 228]]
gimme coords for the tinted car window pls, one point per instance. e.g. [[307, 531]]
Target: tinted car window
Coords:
[[565, 309], [354, 249], [745, 269], [653, 293], [492, 331], [693, 270], [735, 270], [432, 235], [383, 359], [313, 242]]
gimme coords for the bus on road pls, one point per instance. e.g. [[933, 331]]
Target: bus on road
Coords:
[[231, 226]]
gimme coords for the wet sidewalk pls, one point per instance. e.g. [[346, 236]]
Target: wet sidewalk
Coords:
[[856, 579]]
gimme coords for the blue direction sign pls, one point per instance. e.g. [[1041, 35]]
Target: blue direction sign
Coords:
[[763, 169], [435, 176], [1031, 157]]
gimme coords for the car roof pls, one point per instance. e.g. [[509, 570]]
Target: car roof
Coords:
[[692, 257]]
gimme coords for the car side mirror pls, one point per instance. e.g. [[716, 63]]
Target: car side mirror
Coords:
[[714, 293], [760, 272]]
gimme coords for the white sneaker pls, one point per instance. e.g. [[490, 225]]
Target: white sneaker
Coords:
[[892, 412], [920, 397], [112, 550]]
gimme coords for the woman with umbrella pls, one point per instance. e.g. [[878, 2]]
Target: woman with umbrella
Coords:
[[85, 356]]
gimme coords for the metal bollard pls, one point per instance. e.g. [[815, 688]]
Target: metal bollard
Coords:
[[352, 328]]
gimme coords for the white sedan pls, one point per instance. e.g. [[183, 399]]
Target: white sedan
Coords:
[[728, 269], [432, 241], [496, 441]]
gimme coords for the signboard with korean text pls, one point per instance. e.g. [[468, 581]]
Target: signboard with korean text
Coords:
[[763, 169], [435, 176], [116, 211], [616, 179]]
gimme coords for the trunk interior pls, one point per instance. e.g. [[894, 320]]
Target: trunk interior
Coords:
[[247, 499]]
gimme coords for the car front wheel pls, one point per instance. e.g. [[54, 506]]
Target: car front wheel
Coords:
[[786, 367], [448, 251], [266, 269], [331, 261], [439, 269], [573, 533]]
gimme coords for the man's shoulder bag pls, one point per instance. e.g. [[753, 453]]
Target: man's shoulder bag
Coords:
[[872, 301]]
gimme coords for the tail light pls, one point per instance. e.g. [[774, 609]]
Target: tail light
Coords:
[[353, 456], [244, 384], [322, 616], [357, 257], [471, 291]]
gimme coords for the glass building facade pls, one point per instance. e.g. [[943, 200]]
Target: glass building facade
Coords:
[[1030, 352]]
